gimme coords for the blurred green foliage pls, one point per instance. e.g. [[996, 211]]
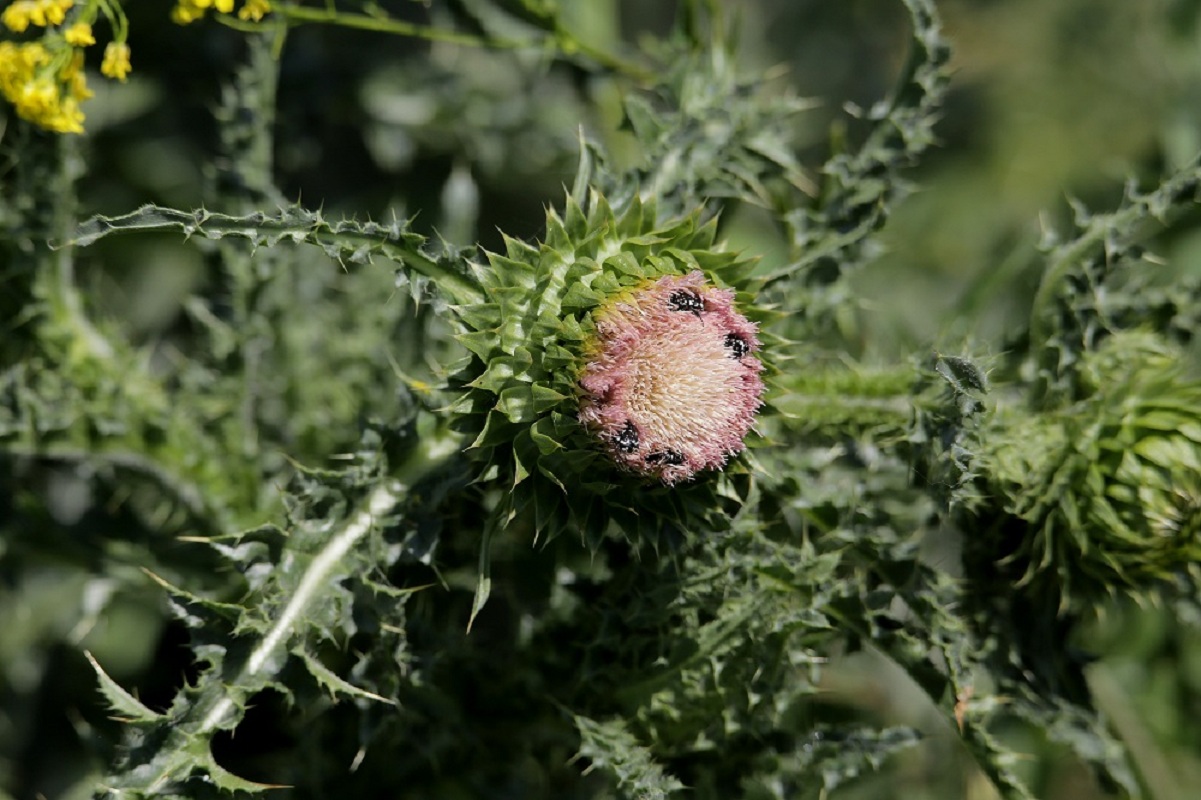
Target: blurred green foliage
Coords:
[[1050, 100]]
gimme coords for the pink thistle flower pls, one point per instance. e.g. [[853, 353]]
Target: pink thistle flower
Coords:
[[673, 385]]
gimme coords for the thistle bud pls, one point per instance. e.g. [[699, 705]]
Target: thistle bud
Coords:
[[1104, 495]]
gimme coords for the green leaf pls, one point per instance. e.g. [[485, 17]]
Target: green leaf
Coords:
[[346, 239], [483, 587], [963, 375], [609, 746], [527, 402], [331, 681], [120, 701]]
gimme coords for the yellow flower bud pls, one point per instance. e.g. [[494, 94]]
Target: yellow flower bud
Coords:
[[254, 10], [56, 10], [116, 61], [79, 34], [16, 16]]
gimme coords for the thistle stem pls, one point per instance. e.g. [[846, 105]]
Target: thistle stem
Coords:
[[842, 400], [312, 588], [1102, 230]]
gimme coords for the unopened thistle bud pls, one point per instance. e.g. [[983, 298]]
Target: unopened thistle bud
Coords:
[[1102, 496]]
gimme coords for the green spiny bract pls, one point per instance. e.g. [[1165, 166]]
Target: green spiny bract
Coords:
[[530, 339], [1102, 496]]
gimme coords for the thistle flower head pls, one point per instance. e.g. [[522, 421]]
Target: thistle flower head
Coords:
[[610, 369], [674, 384]]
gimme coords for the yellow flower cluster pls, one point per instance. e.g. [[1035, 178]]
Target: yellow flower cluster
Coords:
[[191, 10], [41, 91], [79, 35], [41, 13], [254, 10], [44, 79]]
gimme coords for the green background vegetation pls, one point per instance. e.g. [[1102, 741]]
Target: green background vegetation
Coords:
[[1051, 100]]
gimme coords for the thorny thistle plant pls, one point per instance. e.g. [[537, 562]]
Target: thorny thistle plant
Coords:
[[1101, 495], [640, 466], [607, 360]]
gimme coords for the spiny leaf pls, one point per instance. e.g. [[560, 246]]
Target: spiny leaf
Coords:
[[611, 747], [349, 239], [962, 374], [861, 188], [840, 755], [483, 587], [121, 701], [300, 585], [1094, 280], [331, 681]]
